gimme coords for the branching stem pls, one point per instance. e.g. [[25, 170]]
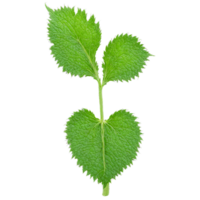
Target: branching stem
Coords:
[[101, 114]]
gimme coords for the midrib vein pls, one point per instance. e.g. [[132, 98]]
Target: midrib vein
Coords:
[[91, 63], [95, 71], [103, 149]]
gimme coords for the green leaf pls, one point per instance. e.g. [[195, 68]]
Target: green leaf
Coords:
[[75, 41], [121, 143], [124, 58], [103, 147]]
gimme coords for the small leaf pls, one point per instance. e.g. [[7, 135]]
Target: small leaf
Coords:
[[124, 58], [121, 143], [75, 41]]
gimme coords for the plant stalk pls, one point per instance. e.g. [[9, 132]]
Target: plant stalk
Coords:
[[101, 114], [101, 101], [106, 190]]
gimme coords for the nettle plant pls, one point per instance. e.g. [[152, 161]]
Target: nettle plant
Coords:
[[102, 147]]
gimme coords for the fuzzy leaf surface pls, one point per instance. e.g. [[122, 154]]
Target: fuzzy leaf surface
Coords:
[[121, 139], [124, 57], [75, 41]]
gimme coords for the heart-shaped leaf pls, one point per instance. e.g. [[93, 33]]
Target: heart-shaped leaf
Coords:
[[102, 147], [103, 157]]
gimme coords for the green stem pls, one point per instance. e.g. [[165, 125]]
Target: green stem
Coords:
[[106, 190], [102, 124], [100, 101], [102, 116]]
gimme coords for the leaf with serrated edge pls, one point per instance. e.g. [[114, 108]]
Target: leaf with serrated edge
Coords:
[[75, 41], [124, 57], [121, 139], [103, 148]]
